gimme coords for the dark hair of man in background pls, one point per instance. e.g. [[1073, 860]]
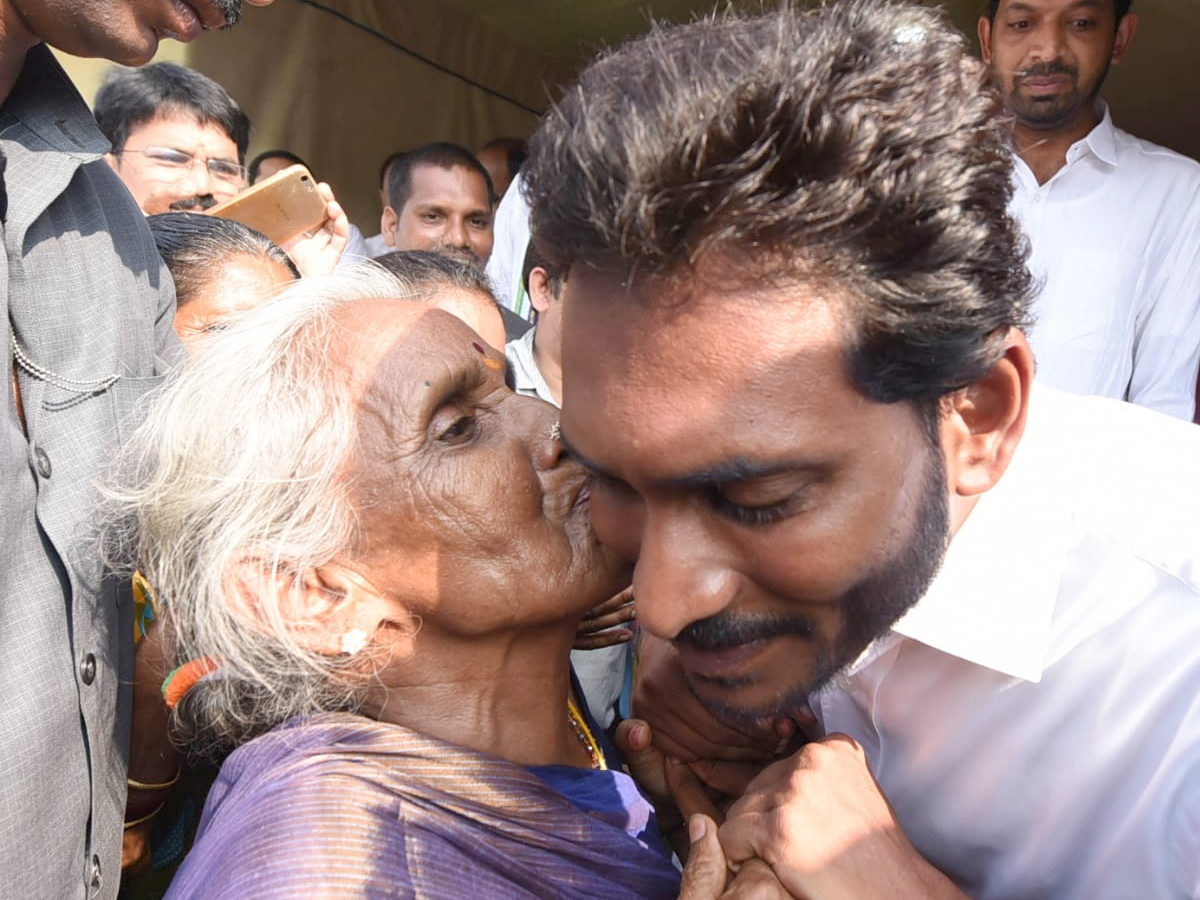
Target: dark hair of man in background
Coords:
[[802, 173], [131, 97], [255, 165], [1121, 7], [194, 246], [555, 276], [441, 155], [427, 270], [515, 152], [387, 164]]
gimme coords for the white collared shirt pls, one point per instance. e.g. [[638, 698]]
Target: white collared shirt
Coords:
[[1035, 719], [510, 231], [1115, 235], [526, 376]]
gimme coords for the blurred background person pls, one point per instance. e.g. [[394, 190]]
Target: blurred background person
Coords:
[[220, 268]]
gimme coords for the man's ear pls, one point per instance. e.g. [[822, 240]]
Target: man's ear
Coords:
[[985, 39], [982, 424], [387, 226], [113, 161], [540, 295], [1125, 29]]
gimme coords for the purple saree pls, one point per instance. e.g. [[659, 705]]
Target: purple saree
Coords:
[[344, 806]]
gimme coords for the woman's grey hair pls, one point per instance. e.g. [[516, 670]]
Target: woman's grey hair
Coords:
[[240, 466]]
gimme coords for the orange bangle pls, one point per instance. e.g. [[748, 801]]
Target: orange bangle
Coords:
[[181, 679]]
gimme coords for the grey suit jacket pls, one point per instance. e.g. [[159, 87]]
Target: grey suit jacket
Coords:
[[90, 306]]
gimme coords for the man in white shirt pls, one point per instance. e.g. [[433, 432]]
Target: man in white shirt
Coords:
[[793, 358], [510, 241], [1114, 221]]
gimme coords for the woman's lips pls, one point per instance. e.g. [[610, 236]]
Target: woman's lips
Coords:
[[583, 497]]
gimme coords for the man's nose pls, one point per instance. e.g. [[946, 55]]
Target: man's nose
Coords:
[[1048, 41], [456, 233], [198, 180], [680, 576]]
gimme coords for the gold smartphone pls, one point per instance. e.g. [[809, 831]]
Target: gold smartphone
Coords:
[[281, 207]]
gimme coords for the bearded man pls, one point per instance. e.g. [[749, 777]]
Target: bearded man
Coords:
[[793, 358], [1114, 221]]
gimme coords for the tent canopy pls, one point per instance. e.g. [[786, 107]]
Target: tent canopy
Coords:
[[343, 83]]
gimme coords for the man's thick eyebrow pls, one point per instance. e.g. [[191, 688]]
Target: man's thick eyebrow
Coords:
[[592, 467], [728, 472], [735, 470]]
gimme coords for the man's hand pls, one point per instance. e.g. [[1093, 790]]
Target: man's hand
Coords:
[[682, 727], [598, 626], [707, 877], [318, 252], [821, 822]]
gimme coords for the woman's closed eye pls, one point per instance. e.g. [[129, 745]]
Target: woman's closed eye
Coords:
[[460, 429]]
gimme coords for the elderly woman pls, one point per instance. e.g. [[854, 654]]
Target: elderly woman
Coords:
[[381, 554]]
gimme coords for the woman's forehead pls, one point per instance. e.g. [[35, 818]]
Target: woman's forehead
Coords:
[[403, 345]]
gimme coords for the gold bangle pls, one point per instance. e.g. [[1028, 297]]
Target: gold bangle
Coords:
[[146, 818], [146, 786]]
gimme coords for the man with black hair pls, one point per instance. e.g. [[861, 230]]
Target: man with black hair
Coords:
[[503, 158], [178, 139], [794, 360], [1114, 221], [439, 198], [269, 162], [86, 331]]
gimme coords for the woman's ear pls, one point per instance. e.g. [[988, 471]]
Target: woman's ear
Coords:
[[982, 424], [331, 609]]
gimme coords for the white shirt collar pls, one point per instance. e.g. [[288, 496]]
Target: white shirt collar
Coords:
[[970, 611], [527, 377], [1101, 140]]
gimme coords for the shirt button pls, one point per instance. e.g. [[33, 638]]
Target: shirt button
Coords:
[[96, 880], [41, 461], [87, 670]]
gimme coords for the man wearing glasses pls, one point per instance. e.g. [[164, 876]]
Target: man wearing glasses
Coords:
[[178, 139]]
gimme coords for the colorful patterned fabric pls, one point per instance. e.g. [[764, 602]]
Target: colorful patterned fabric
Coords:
[[344, 806]]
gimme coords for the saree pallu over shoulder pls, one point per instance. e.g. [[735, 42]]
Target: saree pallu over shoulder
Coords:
[[344, 806]]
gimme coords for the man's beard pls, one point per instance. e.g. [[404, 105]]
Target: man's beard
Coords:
[[868, 610], [1051, 112], [231, 10]]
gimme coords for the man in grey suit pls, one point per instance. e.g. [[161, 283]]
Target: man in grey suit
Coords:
[[86, 330]]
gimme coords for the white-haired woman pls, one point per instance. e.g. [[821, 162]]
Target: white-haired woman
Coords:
[[381, 554]]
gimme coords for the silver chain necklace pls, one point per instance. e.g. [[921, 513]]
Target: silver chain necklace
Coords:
[[66, 384]]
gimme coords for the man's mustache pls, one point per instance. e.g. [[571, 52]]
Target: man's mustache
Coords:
[[1042, 70], [231, 9], [727, 630], [206, 201]]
